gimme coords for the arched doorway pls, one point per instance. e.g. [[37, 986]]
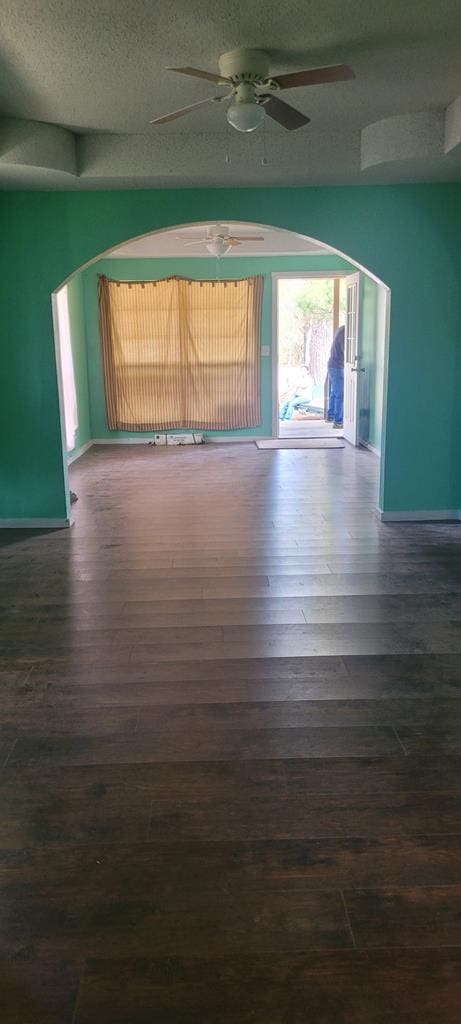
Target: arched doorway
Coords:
[[306, 255]]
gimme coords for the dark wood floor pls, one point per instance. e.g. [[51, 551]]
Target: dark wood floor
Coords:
[[230, 748]]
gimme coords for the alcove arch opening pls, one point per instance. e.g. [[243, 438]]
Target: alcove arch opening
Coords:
[[296, 245]]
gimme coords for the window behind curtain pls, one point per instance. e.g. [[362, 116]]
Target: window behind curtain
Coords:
[[181, 353]]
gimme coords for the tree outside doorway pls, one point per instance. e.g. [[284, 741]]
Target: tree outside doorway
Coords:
[[306, 325]]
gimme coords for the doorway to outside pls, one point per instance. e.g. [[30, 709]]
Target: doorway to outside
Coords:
[[309, 309]]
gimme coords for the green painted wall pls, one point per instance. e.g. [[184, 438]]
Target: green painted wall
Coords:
[[372, 336], [407, 235], [79, 353], [152, 269]]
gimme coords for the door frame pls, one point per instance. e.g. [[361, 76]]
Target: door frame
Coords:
[[357, 278], [62, 419], [294, 275]]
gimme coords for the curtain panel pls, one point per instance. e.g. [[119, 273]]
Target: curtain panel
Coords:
[[181, 353]]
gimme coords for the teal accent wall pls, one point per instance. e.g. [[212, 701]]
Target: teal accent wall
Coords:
[[372, 338], [76, 305], [407, 235], [153, 269]]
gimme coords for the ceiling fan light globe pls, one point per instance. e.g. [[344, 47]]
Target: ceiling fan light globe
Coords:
[[245, 117], [217, 246]]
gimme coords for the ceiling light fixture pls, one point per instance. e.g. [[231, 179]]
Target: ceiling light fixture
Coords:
[[217, 246], [245, 116]]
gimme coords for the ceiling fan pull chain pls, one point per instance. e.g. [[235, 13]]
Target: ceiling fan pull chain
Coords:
[[229, 149], [264, 160]]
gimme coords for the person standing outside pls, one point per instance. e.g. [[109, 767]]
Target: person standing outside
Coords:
[[336, 380]]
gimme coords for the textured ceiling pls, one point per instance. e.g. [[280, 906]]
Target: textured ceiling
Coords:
[[176, 243], [97, 69]]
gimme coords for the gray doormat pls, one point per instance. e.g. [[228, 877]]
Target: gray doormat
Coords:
[[302, 442]]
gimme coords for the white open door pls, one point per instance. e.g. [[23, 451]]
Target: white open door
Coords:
[[351, 358]]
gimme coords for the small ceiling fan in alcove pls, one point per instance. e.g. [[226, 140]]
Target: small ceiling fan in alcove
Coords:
[[253, 92], [218, 240]]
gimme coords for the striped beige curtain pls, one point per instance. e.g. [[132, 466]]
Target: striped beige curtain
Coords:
[[181, 353]]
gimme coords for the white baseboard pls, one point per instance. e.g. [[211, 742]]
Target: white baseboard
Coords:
[[35, 524], [434, 515], [208, 439], [80, 451], [249, 439], [371, 448], [122, 440], [128, 440]]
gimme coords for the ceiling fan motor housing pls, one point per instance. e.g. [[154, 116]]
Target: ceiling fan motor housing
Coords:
[[244, 66]]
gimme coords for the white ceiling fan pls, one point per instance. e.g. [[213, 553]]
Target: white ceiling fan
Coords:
[[253, 92], [219, 241]]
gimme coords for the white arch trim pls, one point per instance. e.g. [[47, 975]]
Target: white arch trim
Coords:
[[329, 249]]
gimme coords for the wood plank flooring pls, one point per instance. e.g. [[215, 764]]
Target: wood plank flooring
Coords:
[[230, 743]]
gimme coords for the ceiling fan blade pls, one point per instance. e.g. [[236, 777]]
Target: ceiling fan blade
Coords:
[[286, 115], [315, 76], [207, 75], [200, 241], [184, 110], [233, 241], [247, 238]]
